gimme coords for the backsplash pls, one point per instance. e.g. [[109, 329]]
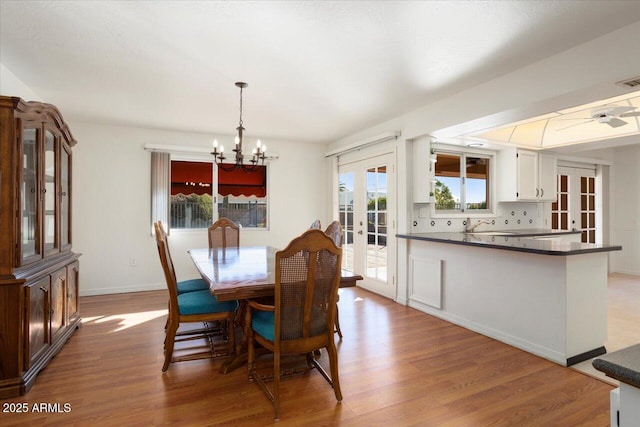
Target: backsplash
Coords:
[[509, 216]]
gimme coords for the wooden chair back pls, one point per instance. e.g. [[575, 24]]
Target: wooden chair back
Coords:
[[168, 269], [224, 233], [306, 291], [334, 230]]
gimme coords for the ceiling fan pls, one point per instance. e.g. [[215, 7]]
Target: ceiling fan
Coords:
[[610, 115]]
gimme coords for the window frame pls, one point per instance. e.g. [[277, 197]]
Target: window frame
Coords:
[[490, 211], [202, 158]]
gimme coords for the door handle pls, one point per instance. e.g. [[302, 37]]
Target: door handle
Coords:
[[360, 232]]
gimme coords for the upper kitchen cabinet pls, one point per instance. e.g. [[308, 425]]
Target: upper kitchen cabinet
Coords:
[[525, 175], [422, 171], [38, 269]]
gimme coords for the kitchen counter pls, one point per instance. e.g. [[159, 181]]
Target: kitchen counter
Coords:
[[520, 240], [623, 365], [534, 290]]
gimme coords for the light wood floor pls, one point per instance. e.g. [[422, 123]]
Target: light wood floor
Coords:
[[623, 316], [398, 367]]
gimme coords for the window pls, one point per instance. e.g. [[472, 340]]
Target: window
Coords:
[[191, 200], [462, 182], [188, 194]]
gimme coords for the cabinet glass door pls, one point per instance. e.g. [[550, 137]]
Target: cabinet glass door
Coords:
[[65, 205], [49, 192], [29, 196]]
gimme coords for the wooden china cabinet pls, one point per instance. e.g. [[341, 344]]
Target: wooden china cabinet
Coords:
[[38, 270]]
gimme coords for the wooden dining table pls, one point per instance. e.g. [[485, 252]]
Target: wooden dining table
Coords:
[[242, 273]]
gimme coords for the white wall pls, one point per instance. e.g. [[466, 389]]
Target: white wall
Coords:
[[625, 212], [111, 204], [10, 85]]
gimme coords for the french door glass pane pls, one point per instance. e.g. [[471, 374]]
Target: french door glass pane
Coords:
[[377, 223], [345, 208]]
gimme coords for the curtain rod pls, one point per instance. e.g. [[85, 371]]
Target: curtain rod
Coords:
[[387, 136]]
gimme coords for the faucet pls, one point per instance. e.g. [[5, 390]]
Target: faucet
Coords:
[[470, 229]]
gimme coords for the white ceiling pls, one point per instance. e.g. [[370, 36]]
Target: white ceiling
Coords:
[[317, 71]]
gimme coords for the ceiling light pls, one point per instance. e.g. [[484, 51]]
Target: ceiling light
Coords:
[[257, 155], [475, 144]]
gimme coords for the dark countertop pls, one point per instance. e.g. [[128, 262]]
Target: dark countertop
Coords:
[[623, 365], [524, 242]]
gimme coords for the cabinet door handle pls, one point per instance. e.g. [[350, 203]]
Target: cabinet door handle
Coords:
[[542, 192], [45, 290], [537, 192]]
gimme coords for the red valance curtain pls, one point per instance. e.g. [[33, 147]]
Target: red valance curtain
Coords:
[[196, 177], [191, 178], [241, 183]]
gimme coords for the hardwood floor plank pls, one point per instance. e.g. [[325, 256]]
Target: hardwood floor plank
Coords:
[[398, 367]]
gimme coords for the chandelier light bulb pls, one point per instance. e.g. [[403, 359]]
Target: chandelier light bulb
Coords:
[[215, 143], [264, 148], [237, 139], [259, 144], [222, 149]]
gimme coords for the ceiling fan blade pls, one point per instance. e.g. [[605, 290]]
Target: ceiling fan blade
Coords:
[[617, 111], [574, 118], [616, 123], [576, 124], [634, 114]]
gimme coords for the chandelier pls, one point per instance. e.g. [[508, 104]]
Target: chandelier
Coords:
[[257, 155]]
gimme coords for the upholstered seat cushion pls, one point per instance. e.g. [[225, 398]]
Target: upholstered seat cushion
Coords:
[[192, 285], [202, 302], [263, 323]]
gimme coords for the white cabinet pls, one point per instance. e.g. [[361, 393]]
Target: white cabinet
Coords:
[[422, 171], [525, 175], [547, 177]]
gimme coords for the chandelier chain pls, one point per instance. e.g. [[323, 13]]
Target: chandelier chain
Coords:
[[241, 106], [256, 157]]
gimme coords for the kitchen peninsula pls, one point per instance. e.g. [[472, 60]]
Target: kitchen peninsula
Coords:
[[538, 291]]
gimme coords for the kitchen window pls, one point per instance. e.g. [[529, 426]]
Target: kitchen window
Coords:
[[462, 183]]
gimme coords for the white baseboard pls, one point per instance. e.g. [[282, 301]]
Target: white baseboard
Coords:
[[122, 290], [527, 346]]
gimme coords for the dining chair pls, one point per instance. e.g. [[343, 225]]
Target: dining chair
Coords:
[[192, 307], [315, 225], [224, 233], [307, 277], [189, 285], [334, 230]]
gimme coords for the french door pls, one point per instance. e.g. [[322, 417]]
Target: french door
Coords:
[[576, 206], [366, 199]]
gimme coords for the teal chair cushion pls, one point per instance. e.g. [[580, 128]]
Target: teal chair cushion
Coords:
[[202, 302], [192, 285], [263, 323]]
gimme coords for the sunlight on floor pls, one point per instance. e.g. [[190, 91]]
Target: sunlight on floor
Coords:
[[127, 320]]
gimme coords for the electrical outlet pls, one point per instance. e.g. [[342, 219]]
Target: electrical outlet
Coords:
[[133, 261]]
